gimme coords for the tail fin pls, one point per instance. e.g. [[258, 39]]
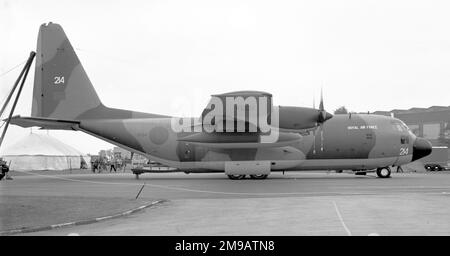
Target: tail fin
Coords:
[[62, 89]]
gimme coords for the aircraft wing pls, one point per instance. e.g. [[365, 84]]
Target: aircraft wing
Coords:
[[44, 123]]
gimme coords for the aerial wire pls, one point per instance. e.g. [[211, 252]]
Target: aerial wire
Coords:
[[16, 66]]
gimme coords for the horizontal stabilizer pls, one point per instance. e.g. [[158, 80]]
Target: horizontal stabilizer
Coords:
[[44, 123]]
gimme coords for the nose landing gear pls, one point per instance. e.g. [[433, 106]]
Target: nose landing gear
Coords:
[[384, 172]]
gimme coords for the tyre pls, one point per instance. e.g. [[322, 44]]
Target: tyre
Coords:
[[258, 176], [236, 177], [384, 172]]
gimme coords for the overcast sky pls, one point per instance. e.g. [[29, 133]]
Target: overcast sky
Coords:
[[168, 57]]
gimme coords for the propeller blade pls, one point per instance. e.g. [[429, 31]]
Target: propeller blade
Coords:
[[323, 114], [321, 108]]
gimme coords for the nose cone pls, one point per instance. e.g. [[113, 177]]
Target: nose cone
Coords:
[[328, 116], [421, 148], [324, 116]]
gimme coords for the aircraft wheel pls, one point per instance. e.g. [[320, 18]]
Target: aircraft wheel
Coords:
[[258, 176], [384, 172], [236, 177]]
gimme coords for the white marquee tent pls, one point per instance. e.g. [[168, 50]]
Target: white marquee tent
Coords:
[[42, 152]]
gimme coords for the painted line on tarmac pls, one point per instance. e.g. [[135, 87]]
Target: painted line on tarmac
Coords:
[[341, 219], [85, 181], [370, 192], [78, 223]]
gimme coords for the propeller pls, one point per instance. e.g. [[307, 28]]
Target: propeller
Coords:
[[322, 117]]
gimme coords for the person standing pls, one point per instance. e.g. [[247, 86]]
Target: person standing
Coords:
[[113, 165], [120, 164], [101, 165], [94, 165], [4, 170]]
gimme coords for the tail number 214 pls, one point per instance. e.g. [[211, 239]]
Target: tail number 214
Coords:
[[58, 80]]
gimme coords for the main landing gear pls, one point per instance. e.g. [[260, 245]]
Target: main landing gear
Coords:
[[384, 172], [258, 176], [236, 177], [242, 176]]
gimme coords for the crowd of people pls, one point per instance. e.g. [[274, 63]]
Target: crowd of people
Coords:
[[102, 164]]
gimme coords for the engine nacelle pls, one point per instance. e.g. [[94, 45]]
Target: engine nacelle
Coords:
[[298, 118]]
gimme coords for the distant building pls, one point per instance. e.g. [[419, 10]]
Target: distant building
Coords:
[[432, 123]]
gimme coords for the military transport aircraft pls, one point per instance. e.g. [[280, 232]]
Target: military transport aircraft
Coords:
[[239, 133]]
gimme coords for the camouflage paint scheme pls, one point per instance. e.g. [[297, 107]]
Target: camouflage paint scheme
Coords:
[[64, 98]]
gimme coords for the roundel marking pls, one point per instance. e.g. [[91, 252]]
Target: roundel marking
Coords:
[[158, 135]]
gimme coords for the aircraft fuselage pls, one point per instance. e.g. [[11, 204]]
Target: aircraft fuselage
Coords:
[[356, 141]]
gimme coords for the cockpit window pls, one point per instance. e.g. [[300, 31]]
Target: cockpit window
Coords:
[[398, 125], [405, 127]]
